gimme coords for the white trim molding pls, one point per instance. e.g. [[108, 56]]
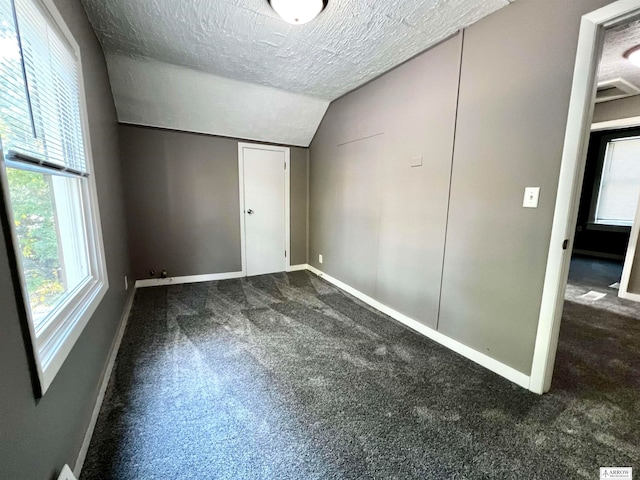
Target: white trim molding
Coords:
[[297, 268], [156, 282], [243, 251], [623, 291], [210, 277], [489, 363], [627, 295], [106, 375], [615, 124], [590, 42]]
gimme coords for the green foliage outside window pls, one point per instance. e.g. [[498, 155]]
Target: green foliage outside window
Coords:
[[32, 204]]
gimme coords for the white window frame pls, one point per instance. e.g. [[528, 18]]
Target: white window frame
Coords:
[[53, 344], [599, 185]]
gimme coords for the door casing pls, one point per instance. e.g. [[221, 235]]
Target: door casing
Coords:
[[580, 115]]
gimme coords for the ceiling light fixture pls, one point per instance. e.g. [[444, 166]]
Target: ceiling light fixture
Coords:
[[298, 12], [633, 55]]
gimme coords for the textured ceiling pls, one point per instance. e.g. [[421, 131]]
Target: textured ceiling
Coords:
[[351, 42], [612, 64], [158, 94]]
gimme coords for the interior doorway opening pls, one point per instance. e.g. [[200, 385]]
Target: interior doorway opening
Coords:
[[593, 31], [608, 204]]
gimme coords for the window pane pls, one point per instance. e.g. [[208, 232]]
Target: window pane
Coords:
[[49, 223], [15, 120], [620, 184], [52, 83]]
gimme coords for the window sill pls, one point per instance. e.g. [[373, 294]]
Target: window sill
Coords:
[[608, 228], [52, 351]]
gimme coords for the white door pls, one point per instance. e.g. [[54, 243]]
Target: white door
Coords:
[[264, 172]]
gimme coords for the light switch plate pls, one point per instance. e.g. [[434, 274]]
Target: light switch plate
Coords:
[[416, 161], [531, 196]]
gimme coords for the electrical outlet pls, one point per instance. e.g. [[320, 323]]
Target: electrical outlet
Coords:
[[319, 258], [126, 282]]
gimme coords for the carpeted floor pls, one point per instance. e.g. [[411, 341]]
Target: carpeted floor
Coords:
[[286, 377], [594, 272]]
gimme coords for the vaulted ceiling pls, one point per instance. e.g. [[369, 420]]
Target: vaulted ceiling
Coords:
[[246, 49]]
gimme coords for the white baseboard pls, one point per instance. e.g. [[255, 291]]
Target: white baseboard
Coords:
[[629, 296], [297, 268], [155, 282], [492, 364], [113, 353]]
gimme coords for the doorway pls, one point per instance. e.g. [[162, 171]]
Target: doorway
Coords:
[[610, 189], [264, 208], [581, 108]]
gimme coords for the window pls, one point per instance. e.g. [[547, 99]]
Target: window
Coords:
[[46, 177], [620, 183]]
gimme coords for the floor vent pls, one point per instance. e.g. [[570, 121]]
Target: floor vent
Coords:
[[593, 296]]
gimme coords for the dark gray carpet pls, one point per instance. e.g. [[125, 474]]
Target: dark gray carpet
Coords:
[[595, 272], [284, 376]]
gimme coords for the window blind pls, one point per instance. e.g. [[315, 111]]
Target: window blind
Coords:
[[39, 106], [620, 183]]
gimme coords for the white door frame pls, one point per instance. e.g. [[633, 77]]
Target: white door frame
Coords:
[[574, 153], [623, 291], [615, 124], [287, 200]]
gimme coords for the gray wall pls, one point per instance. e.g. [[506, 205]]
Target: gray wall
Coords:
[[378, 222], [617, 109], [514, 94], [299, 187], [37, 437], [183, 207], [514, 98]]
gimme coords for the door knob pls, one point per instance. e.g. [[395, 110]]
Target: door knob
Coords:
[[250, 212]]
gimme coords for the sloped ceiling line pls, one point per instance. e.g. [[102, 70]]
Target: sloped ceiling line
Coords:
[[223, 41]]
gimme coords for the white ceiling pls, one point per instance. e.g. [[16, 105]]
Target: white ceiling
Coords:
[[350, 43], [612, 64], [148, 92]]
